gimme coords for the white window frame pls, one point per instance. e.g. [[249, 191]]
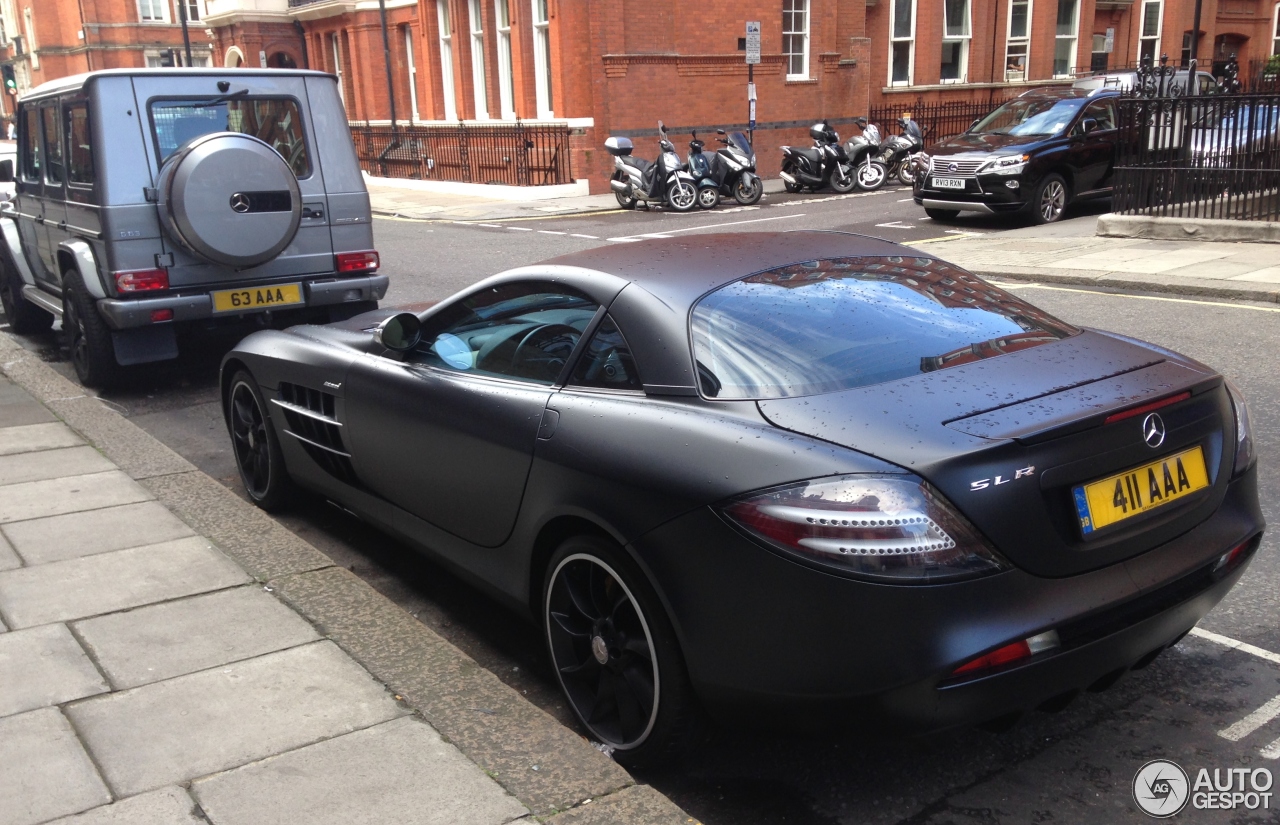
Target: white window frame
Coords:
[[33, 48], [542, 58], [335, 47], [1143, 37], [446, 59], [480, 91], [194, 11], [1275, 25], [152, 6], [1073, 37], [412, 65], [790, 8], [506, 84], [1024, 40], [962, 40], [910, 41]]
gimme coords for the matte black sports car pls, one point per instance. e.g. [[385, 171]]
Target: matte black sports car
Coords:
[[808, 478]]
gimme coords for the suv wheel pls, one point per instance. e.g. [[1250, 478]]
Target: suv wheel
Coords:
[[25, 318], [1050, 200], [88, 337]]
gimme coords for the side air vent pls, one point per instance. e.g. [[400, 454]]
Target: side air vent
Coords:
[[313, 421]]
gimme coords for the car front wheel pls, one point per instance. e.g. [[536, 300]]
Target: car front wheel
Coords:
[[615, 653], [253, 440], [1050, 200]]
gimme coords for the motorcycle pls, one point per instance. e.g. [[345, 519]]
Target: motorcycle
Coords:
[[898, 153], [699, 165], [863, 151], [665, 180], [824, 165], [734, 169]]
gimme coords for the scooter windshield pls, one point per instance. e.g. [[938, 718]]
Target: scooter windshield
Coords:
[[740, 142]]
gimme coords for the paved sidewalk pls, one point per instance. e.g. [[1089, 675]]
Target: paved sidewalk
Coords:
[[151, 676]]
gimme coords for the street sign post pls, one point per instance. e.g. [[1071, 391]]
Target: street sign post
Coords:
[[753, 57]]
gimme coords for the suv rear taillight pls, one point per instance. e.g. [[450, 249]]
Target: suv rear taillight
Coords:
[[142, 280], [348, 262]]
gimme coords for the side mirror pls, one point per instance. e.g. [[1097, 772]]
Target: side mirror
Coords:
[[6, 170], [662, 127], [1090, 124], [400, 332]]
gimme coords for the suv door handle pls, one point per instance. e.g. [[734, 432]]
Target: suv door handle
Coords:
[[39, 218], [62, 224]]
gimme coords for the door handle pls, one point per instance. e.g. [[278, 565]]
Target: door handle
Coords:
[[547, 427], [62, 224], [40, 219]]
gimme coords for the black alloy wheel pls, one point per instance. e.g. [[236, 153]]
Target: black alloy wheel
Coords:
[[25, 318], [253, 440], [88, 339], [1050, 200], [615, 653], [748, 190]]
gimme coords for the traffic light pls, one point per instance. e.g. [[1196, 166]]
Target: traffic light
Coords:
[[166, 58], [10, 79]]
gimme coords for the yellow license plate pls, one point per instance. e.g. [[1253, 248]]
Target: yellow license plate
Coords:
[[1140, 490], [257, 297]]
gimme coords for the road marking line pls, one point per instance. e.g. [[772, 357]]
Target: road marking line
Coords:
[[906, 200], [518, 228], [1236, 644], [576, 235], [490, 225], [1252, 722], [1271, 751], [551, 232], [670, 232], [935, 240], [896, 225], [1018, 285], [625, 240]]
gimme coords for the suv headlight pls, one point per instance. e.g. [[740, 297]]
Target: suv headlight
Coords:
[[1245, 453], [888, 528], [1008, 165]]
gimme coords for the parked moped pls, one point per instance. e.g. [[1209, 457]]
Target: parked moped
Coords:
[[665, 180]]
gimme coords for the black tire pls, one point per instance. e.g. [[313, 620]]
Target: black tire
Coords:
[[708, 197], [790, 169], [87, 335], [749, 189], [1050, 200], [682, 196], [625, 201], [907, 173], [615, 653], [942, 214], [843, 180], [25, 318], [255, 446]]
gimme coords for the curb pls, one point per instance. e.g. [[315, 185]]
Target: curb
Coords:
[[1154, 227], [554, 771], [1180, 287]]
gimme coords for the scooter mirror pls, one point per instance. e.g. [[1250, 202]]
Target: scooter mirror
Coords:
[[719, 131], [661, 127]]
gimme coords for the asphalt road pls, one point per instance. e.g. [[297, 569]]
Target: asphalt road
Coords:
[[1073, 766]]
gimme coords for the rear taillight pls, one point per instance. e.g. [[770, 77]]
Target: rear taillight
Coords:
[[142, 280], [1245, 454], [349, 262], [1010, 654], [893, 528]]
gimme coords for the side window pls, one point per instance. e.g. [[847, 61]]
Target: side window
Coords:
[[1102, 111], [79, 150], [525, 331], [52, 145], [32, 155], [607, 361]]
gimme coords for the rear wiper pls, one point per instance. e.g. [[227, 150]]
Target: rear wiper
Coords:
[[218, 101]]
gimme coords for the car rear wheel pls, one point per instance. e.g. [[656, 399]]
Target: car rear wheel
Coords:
[[25, 318], [89, 340], [253, 440], [615, 653], [942, 214], [1050, 200]]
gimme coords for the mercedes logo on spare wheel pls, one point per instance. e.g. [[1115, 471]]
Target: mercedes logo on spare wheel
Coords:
[[1153, 430], [240, 203]]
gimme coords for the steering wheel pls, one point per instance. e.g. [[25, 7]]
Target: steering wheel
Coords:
[[543, 351]]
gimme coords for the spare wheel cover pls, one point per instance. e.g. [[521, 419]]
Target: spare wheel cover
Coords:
[[230, 199]]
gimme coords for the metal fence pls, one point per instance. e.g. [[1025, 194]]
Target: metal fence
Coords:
[[937, 121], [514, 154], [1214, 156]]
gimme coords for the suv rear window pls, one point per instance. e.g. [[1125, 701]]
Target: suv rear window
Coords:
[[840, 323], [273, 120]]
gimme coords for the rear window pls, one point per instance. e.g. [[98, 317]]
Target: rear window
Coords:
[[273, 120], [836, 324]]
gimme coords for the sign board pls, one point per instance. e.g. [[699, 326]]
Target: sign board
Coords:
[[752, 125], [1111, 40], [753, 41]]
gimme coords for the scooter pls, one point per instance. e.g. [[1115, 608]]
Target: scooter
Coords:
[[665, 180], [734, 169], [699, 165], [824, 165], [899, 151], [863, 150]]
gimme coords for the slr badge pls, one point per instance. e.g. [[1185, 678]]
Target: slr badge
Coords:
[[984, 483]]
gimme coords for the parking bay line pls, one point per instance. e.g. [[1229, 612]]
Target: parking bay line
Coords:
[[628, 238]]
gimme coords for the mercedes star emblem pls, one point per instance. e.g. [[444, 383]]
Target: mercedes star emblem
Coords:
[[1153, 430], [240, 203]]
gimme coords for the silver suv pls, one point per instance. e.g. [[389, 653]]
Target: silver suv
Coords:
[[146, 199]]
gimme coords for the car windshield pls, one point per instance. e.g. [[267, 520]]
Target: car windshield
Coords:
[[828, 325], [1030, 116], [273, 120]]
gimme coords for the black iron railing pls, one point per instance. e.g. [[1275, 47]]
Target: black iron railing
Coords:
[[1210, 156], [937, 121], [514, 154]]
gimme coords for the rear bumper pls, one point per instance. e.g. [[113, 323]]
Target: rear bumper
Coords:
[[128, 313]]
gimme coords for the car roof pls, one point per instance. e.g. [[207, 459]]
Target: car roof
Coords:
[[78, 81], [1057, 93]]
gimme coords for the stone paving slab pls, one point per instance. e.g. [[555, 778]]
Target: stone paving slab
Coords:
[[79, 588], [46, 464], [149, 644], [210, 721], [70, 536], [44, 666], [18, 408], [400, 771], [167, 806], [52, 497], [44, 773], [33, 437], [8, 558]]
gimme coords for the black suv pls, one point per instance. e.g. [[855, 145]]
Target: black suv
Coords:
[[1037, 152]]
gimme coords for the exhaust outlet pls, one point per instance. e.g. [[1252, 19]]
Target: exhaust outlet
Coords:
[[620, 186], [787, 177]]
